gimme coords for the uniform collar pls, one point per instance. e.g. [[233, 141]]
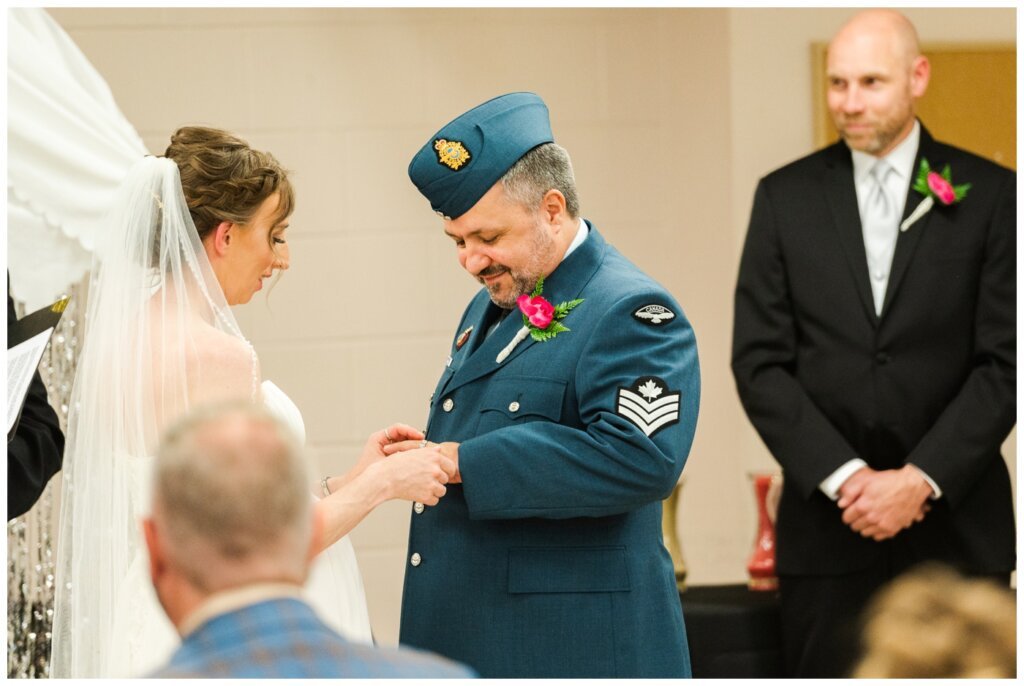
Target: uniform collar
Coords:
[[577, 241], [564, 284]]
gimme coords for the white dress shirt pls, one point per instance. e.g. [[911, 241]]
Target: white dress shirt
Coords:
[[897, 183]]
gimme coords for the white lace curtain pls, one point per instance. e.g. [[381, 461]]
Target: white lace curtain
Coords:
[[69, 146]]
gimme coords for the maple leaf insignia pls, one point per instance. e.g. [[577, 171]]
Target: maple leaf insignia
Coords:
[[650, 390]]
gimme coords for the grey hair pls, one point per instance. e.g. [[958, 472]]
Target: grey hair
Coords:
[[231, 489], [544, 168]]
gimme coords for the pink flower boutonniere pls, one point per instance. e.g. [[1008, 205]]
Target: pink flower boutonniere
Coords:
[[537, 312], [934, 186], [544, 319], [541, 319]]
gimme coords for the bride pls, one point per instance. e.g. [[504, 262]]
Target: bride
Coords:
[[190, 235]]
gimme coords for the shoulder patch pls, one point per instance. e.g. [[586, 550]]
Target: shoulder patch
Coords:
[[654, 315], [649, 404]]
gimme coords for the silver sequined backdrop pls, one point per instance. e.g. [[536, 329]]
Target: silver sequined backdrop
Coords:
[[31, 538]]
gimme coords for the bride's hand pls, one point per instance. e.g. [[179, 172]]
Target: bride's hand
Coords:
[[418, 475], [449, 449], [373, 451]]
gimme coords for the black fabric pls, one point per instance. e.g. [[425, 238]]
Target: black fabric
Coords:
[[821, 615], [36, 452], [930, 382], [733, 632], [826, 613]]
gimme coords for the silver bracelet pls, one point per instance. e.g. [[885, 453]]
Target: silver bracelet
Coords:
[[324, 487]]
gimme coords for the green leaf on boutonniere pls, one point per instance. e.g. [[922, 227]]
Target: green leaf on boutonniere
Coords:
[[921, 181], [563, 309], [539, 288], [961, 191], [553, 329]]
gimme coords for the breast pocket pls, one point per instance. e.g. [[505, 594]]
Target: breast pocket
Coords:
[[519, 399]]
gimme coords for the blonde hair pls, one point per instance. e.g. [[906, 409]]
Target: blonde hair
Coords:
[[231, 493], [934, 623]]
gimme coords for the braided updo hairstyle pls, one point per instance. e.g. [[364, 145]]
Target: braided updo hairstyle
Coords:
[[224, 179]]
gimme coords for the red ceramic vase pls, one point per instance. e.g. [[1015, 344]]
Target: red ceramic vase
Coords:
[[761, 565]]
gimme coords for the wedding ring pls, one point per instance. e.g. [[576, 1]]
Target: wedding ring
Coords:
[[388, 436], [324, 487], [423, 443]]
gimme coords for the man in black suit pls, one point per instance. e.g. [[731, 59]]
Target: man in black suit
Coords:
[[874, 348], [36, 450]]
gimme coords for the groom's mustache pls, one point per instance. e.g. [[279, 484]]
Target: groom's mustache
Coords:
[[493, 270]]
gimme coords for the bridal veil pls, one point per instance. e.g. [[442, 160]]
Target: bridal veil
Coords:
[[154, 309]]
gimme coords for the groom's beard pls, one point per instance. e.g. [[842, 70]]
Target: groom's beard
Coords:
[[502, 295], [523, 280]]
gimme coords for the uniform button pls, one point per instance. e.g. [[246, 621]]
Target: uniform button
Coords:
[[449, 405], [882, 358], [418, 508], [415, 560], [513, 406]]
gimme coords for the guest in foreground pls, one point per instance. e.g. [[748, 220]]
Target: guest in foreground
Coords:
[[932, 623], [547, 560], [874, 348], [231, 537]]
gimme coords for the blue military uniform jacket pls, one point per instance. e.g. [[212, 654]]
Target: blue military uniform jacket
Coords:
[[283, 638], [548, 560]]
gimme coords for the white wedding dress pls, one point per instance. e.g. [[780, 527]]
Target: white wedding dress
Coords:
[[143, 638], [155, 307]]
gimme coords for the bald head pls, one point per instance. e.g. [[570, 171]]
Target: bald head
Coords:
[[876, 73], [889, 27]]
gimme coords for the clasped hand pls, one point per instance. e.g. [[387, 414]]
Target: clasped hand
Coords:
[[418, 474], [449, 449], [880, 504]]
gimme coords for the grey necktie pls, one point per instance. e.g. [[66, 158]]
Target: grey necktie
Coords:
[[878, 222]]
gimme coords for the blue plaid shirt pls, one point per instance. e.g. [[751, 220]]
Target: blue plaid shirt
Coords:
[[284, 638]]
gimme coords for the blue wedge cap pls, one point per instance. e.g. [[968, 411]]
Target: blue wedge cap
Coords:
[[472, 152]]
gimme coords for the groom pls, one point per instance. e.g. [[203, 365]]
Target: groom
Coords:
[[547, 560]]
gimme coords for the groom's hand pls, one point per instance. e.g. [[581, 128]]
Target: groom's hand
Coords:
[[449, 449]]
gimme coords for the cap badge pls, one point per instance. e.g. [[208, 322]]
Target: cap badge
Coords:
[[451, 154]]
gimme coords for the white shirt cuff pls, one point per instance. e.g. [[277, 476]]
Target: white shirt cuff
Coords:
[[831, 485], [936, 491]]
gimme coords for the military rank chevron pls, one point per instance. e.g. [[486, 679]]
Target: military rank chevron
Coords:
[[644, 404]]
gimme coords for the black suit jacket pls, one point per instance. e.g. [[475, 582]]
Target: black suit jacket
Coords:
[[930, 382], [36, 451]]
